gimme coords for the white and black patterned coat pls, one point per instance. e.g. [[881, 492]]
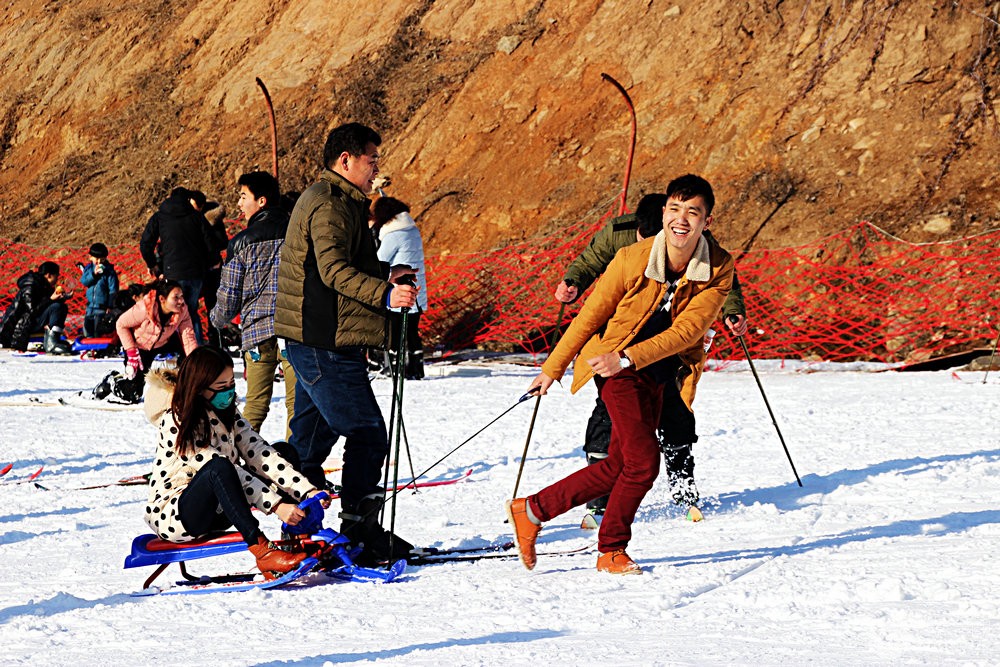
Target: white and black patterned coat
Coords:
[[255, 461]]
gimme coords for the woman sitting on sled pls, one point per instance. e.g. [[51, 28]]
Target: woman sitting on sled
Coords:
[[210, 466]]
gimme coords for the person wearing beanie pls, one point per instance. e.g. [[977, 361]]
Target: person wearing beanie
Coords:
[[101, 280]]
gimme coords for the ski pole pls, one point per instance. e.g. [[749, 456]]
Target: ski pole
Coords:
[[774, 421], [522, 399], [398, 398], [993, 355], [400, 378], [538, 401]]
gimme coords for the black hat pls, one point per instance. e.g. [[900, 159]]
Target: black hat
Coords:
[[99, 250]]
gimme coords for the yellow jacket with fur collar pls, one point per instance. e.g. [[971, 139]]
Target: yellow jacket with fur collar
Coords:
[[626, 297]]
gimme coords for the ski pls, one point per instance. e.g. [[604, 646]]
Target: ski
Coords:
[[590, 522], [335, 491], [93, 404], [694, 514], [428, 552], [134, 480], [469, 558], [84, 404], [21, 480]]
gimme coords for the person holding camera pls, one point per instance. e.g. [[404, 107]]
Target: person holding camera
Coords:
[[101, 280]]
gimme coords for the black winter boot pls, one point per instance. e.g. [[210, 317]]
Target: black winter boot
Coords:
[[680, 473], [362, 527], [597, 505], [415, 365], [54, 343]]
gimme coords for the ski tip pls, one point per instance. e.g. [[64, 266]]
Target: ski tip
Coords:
[[6, 469], [694, 514], [35, 474], [589, 522]]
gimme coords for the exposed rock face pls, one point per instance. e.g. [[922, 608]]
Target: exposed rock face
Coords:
[[497, 125]]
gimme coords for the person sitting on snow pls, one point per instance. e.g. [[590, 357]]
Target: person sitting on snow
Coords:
[[40, 304], [642, 327], [158, 323], [210, 466], [101, 280]]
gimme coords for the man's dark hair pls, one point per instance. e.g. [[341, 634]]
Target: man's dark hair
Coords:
[[649, 214], [387, 208], [352, 138], [48, 269], [690, 186], [262, 184], [199, 199]]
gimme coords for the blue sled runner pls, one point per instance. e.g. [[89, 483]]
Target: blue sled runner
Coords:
[[330, 558]]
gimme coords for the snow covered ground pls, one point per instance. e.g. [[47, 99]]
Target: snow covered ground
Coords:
[[887, 555]]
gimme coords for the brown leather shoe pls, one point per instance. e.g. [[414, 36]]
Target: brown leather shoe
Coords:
[[273, 561], [525, 532], [617, 562]]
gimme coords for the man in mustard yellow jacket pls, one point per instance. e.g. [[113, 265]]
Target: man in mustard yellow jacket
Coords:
[[642, 326]]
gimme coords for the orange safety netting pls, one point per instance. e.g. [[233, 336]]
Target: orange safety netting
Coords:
[[860, 294]]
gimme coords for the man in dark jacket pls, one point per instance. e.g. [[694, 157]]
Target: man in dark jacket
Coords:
[[185, 248], [332, 298], [677, 431], [248, 287], [38, 305]]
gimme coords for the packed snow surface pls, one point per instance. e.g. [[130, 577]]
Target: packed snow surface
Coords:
[[886, 555]]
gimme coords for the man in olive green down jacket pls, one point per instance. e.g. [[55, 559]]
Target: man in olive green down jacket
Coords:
[[333, 295]]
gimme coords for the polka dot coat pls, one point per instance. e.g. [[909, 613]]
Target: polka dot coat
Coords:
[[257, 463]]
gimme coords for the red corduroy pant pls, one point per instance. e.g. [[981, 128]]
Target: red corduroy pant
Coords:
[[633, 462]]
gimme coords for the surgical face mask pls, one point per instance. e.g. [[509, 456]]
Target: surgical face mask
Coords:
[[223, 399]]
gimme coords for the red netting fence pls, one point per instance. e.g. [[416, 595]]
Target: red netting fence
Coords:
[[859, 294]]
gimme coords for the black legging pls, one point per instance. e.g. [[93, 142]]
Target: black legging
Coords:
[[216, 485]]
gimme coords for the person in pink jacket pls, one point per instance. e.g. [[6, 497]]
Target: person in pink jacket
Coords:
[[156, 324]]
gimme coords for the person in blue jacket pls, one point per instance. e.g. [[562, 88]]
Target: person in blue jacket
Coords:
[[101, 280], [400, 245]]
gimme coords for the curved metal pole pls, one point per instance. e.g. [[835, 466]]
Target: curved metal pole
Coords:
[[631, 149], [274, 127]]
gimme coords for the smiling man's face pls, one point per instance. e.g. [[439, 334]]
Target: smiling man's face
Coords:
[[684, 221]]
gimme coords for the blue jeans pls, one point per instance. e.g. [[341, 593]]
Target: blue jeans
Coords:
[[54, 315], [192, 293], [333, 398]]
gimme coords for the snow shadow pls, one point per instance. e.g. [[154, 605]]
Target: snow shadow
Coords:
[[790, 496], [40, 393], [38, 515], [497, 638], [59, 603], [947, 524]]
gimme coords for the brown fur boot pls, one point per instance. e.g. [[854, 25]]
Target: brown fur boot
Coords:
[[272, 561]]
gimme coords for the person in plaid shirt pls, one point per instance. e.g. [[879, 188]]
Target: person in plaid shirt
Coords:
[[249, 286]]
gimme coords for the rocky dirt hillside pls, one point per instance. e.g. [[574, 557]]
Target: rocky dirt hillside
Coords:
[[807, 115]]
